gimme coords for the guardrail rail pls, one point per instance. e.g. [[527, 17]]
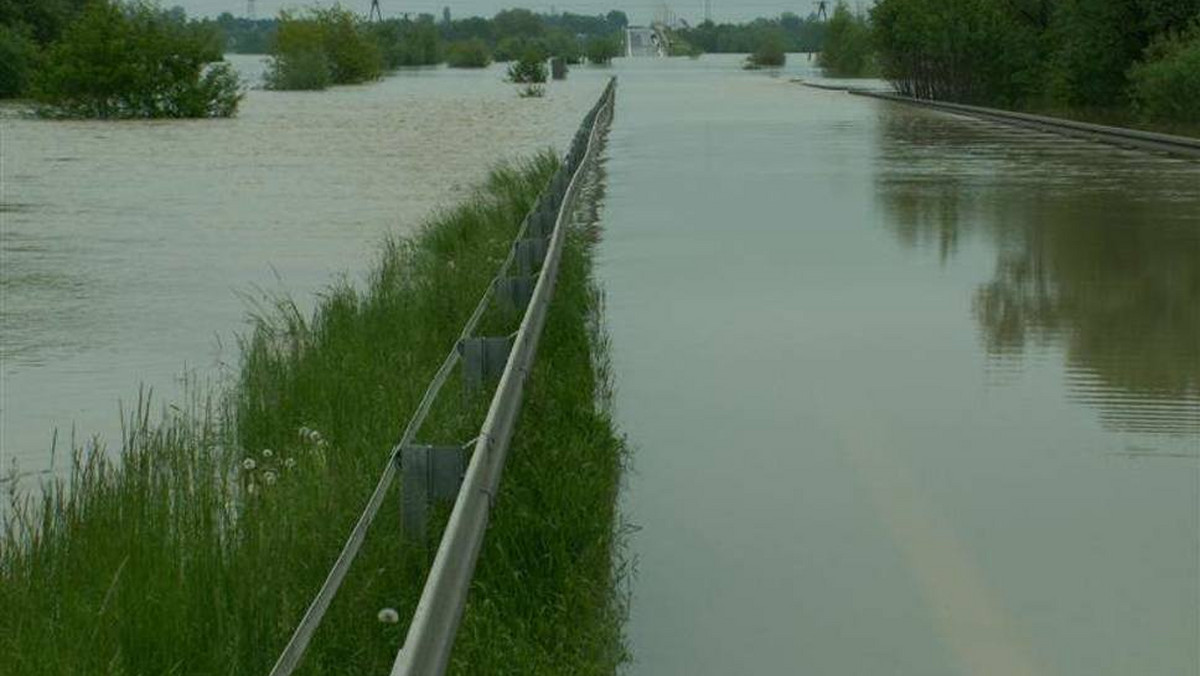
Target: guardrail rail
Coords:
[[1119, 136], [533, 260]]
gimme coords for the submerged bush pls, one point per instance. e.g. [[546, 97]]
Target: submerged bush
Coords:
[[1165, 86], [602, 50], [769, 53], [324, 47], [468, 54], [134, 60], [530, 69]]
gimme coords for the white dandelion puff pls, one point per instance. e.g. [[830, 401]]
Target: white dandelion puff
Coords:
[[389, 616], [304, 432], [269, 477], [268, 453], [248, 464], [314, 436], [289, 463]]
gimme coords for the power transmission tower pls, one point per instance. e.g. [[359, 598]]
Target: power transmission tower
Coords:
[[821, 9], [708, 11], [376, 13], [250, 13]]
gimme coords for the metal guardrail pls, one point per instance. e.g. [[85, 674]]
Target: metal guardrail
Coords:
[[431, 634], [1120, 136]]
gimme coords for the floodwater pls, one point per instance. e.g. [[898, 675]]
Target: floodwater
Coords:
[[132, 251], [908, 393]]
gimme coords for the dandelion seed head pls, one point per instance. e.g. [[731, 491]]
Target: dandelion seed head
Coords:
[[268, 453], [389, 616], [269, 477], [289, 463], [249, 464], [304, 432]]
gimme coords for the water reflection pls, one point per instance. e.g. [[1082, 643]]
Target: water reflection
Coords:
[[1097, 253]]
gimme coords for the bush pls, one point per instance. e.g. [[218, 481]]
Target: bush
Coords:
[[468, 54], [768, 54], [530, 69], [1165, 85], [18, 55], [602, 50], [134, 60], [408, 43], [328, 46], [971, 51], [847, 51]]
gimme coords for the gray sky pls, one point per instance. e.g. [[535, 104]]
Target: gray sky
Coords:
[[639, 11]]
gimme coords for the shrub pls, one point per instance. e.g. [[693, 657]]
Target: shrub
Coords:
[[1165, 85], [327, 46], [530, 69], [408, 43], [468, 54], [602, 50], [18, 54], [847, 51], [768, 54], [134, 60]]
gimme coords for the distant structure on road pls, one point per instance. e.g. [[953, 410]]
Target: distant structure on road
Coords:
[[643, 41], [376, 14], [822, 6]]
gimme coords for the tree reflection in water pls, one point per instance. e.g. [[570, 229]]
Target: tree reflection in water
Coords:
[[1097, 251]]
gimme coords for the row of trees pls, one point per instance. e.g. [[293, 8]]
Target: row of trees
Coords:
[[790, 31], [1098, 58], [322, 47], [107, 58]]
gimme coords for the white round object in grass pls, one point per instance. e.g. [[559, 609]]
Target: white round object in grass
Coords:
[[268, 453], [389, 616], [289, 463], [269, 477], [249, 464]]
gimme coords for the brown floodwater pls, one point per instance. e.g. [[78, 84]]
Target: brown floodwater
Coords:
[[132, 252], [908, 393]]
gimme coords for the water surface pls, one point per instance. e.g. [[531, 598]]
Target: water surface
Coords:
[[132, 251], [909, 393]]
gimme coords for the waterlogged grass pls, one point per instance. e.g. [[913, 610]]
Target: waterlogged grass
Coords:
[[198, 549]]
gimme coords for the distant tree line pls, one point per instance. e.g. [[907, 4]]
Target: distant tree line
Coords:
[[113, 59], [1124, 61], [789, 31]]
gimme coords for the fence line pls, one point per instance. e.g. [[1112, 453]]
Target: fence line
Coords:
[[426, 648]]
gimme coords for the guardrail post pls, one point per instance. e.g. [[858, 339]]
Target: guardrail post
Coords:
[[427, 473], [514, 293], [530, 252], [483, 359]]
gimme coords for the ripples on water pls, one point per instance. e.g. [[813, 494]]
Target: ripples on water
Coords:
[[129, 247]]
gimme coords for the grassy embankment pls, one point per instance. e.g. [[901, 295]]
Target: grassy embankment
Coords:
[[176, 558]]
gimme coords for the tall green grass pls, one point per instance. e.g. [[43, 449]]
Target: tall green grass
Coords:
[[198, 549]]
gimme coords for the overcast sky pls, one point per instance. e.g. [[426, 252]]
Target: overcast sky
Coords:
[[639, 11]]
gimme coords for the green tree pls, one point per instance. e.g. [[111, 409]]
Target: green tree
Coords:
[[18, 57], [134, 60], [323, 47], [848, 51], [602, 50], [1166, 84], [471, 53]]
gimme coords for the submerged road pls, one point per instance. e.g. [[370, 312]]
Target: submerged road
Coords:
[[908, 393]]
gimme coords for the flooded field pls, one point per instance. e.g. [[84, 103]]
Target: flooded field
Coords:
[[132, 251], [909, 393]]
